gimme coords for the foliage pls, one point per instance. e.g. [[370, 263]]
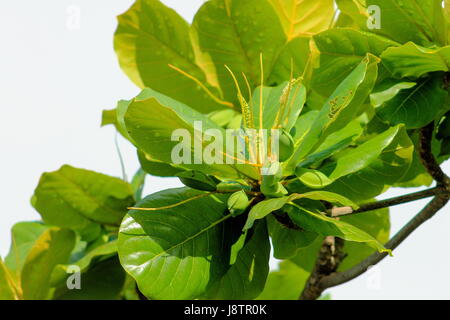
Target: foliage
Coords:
[[348, 99]]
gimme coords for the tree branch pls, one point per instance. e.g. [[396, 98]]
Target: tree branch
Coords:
[[428, 212], [428, 159], [336, 212], [330, 256]]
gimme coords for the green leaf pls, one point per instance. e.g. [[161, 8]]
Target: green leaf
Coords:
[[154, 123], [265, 207], [326, 153], [286, 283], [245, 279], [377, 224], [314, 179], [417, 106], [103, 281], [52, 248], [338, 51], [292, 59], [380, 97], [382, 171], [334, 198], [7, 284], [306, 257], [197, 180], [281, 105], [175, 253], [326, 226], [23, 237], [157, 168], [412, 60], [304, 17], [60, 273], [421, 21], [148, 39], [287, 241], [341, 107], [74, 198], [362, 156], [233, 33]]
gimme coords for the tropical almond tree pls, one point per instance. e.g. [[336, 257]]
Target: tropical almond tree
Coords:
[[285, 120]]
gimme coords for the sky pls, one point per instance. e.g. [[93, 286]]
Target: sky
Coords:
[[59, 71]]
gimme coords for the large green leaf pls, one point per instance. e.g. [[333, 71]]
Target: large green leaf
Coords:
[[340, 109], [326, 226], [361, 157], [381, 173], [267, 206], [52, 248], [411, 60], [417, 106], [286, 283], [287, 241], [245, 279], [175, 253], [157, 168], [234, 33], [153, 121], [292, 60], [300, 17], [149, 38], [23, 237], [338, 52], [75, 198], [421, 21], [8, 287], [280, 106]]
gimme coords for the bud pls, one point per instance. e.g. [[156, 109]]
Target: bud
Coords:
[[238, 203]]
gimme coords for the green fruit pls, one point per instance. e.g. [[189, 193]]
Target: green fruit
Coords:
[[237, 203], [286, 146], [197, 180]]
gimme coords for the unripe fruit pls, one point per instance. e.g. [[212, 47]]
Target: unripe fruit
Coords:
[[238, 203]]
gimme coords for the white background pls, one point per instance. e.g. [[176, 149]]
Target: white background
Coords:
[[56, 77]]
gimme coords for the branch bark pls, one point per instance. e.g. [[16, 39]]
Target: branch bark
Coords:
[[335, 212], [330, 256], [428, 159]]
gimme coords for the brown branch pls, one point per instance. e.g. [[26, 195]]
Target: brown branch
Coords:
[[335, 212], [428, 159], [428, 212], [330, 256]]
